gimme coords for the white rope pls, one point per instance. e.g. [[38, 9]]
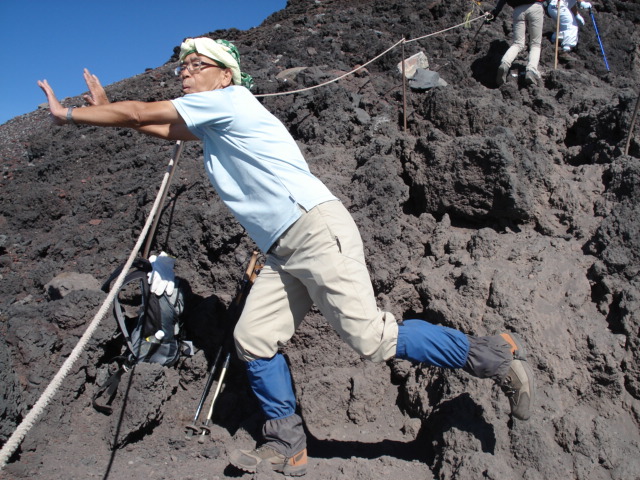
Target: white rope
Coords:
[[369, 62], [335, 79], [16, 438], [447, 29]]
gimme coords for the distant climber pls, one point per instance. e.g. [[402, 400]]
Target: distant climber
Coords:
[[570, 21], [314, 252], [527, 16]]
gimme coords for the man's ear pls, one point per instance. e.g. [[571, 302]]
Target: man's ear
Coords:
[[228, 77]]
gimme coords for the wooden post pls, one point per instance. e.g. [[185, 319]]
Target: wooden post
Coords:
[[404, 90], [555, 65]]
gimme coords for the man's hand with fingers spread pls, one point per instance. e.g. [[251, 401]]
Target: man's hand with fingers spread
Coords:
[[58, 112], [62, 115], [96, 95]]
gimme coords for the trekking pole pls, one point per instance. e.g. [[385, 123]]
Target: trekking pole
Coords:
[[595, 26], [205, 426], [247, 280], [192, 428], [171, 170], [236, 308], [478, 31], [487, 18]]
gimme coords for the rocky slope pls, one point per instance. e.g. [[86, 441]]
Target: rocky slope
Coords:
[[511, 208]]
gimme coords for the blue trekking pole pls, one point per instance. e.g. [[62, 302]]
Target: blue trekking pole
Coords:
[[599, 41]]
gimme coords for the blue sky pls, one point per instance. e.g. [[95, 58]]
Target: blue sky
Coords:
[[115, 39]]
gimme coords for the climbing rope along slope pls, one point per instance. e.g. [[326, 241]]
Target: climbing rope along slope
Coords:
[[360, 67]]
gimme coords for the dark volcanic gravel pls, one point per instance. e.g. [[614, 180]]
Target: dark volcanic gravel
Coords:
[[511, 208]]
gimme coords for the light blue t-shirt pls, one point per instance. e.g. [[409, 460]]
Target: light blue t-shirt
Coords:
[[252, 161]]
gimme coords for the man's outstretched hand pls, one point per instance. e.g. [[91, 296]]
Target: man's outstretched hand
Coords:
[[96, 95], [58, 112]]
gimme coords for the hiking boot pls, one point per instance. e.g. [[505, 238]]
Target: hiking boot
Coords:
[[248, 460], [518, 383], [530, 78], [501, 76]]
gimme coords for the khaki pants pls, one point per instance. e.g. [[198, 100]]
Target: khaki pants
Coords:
[[318, 260], [526, 17]]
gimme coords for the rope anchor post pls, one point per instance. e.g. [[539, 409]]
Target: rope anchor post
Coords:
[[404, 88]]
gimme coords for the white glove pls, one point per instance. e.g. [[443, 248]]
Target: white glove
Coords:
[[580, 19], [161, 277], [585, 5]]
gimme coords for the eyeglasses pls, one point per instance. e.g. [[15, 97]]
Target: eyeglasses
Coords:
[[193, 67]]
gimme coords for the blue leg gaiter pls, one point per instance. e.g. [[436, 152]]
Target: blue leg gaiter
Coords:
[[435, 345], [270, 381]]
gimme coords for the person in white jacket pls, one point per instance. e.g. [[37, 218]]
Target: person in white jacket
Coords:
[[570, 21]]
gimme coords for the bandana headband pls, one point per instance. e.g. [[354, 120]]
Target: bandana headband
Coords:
[[224, 53]]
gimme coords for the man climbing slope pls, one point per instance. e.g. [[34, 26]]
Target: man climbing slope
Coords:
[[528, 16], [314, 252]]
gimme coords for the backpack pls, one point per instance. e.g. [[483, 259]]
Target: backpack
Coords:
[[150, 324], [153, 335]]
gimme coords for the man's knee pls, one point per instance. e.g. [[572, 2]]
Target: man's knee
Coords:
[[376, 345], [249, 347], [377, 355]]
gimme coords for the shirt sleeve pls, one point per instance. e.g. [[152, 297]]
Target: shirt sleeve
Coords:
[[206, 110]]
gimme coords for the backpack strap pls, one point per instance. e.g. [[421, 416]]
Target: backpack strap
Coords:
[[136, 275], [109, 390], [140, 269], [138, 264]]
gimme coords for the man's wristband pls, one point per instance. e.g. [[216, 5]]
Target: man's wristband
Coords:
[[70, 116]]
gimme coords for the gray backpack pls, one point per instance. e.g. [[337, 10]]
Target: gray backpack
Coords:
[[153, 334], [150, 324]]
